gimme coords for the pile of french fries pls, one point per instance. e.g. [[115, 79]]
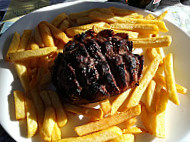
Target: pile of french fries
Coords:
[[116, 120]]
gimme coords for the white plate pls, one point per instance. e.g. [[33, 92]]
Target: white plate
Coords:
[[178, 126]]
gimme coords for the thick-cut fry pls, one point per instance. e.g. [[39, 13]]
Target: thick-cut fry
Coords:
[[118, 101], [124, 138], [60, 113], [153, 42], [104, 135], [105, 106], [38, 105], [74, 30], [161, 16], [19, 105], [31, 119], [45, 98], [161, 80], [149, 17], [48, 124], [46, 35], [23, 76], [151, 53], [38, 37], [28, 54], [150, 95], [133, 130], [130, 122], [24, 40], [57, 33], [162, 101], [58, 19], [84, 20], [170, 79], [56, 133], [121, 12], [139, 90], [32, 44], [108, 121], [141, 28], [95, 114], [64, 25], [130, 33], [13, 47]]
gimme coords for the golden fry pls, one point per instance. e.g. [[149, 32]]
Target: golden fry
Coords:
[[31, 119], [48, 124], [38, 37], [149, 17], [45, 98], [60, 112], [58, 19], [161, 16], [162, 101], [19, 105], [130, 33], [170, 79], [153, 42], [64, 25], [124, 138], [105, 106], [56, 133], [133, 130], [121, 12], [28, 54], [32, 44], [13, 47], [108, 121], [84, 20], [46, 35], [24, 41]]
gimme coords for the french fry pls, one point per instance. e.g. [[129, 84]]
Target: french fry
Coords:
[[95, 114], [76, 30], [150, 96], [121, 12], [48, 124], [39, 107], [46, 35], [161, 16], [60, 113], [28, 54], [32, 44], [13, 47], [64, 25], [38, 38], [58, 19], [170, 79], [23, 76], [130, 33], [161, 80], [139, 90], [130, 122], [56, 133], [133, 130], [46, 78], [141, 28], [151, 53], [45, 98], [149, 17], [124, 138], [118, 101], [108, 121], [57, 33], [104, 135], [84, 20], [162, 101], [153, 42], [19, 105], [31, 119], [105, 106], [24, 40]]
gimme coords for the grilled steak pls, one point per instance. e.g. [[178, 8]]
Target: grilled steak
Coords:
[[94, 67]]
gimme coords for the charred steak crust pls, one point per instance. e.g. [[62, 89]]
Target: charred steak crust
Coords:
[[94, 67]]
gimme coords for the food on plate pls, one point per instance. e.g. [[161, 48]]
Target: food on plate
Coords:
[[31, 118], [19, 105], [89, 57], [95, 67]]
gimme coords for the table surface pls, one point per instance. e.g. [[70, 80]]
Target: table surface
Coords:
[[178, 14]]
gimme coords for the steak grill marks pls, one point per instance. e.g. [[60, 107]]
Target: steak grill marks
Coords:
[[94, 67]]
